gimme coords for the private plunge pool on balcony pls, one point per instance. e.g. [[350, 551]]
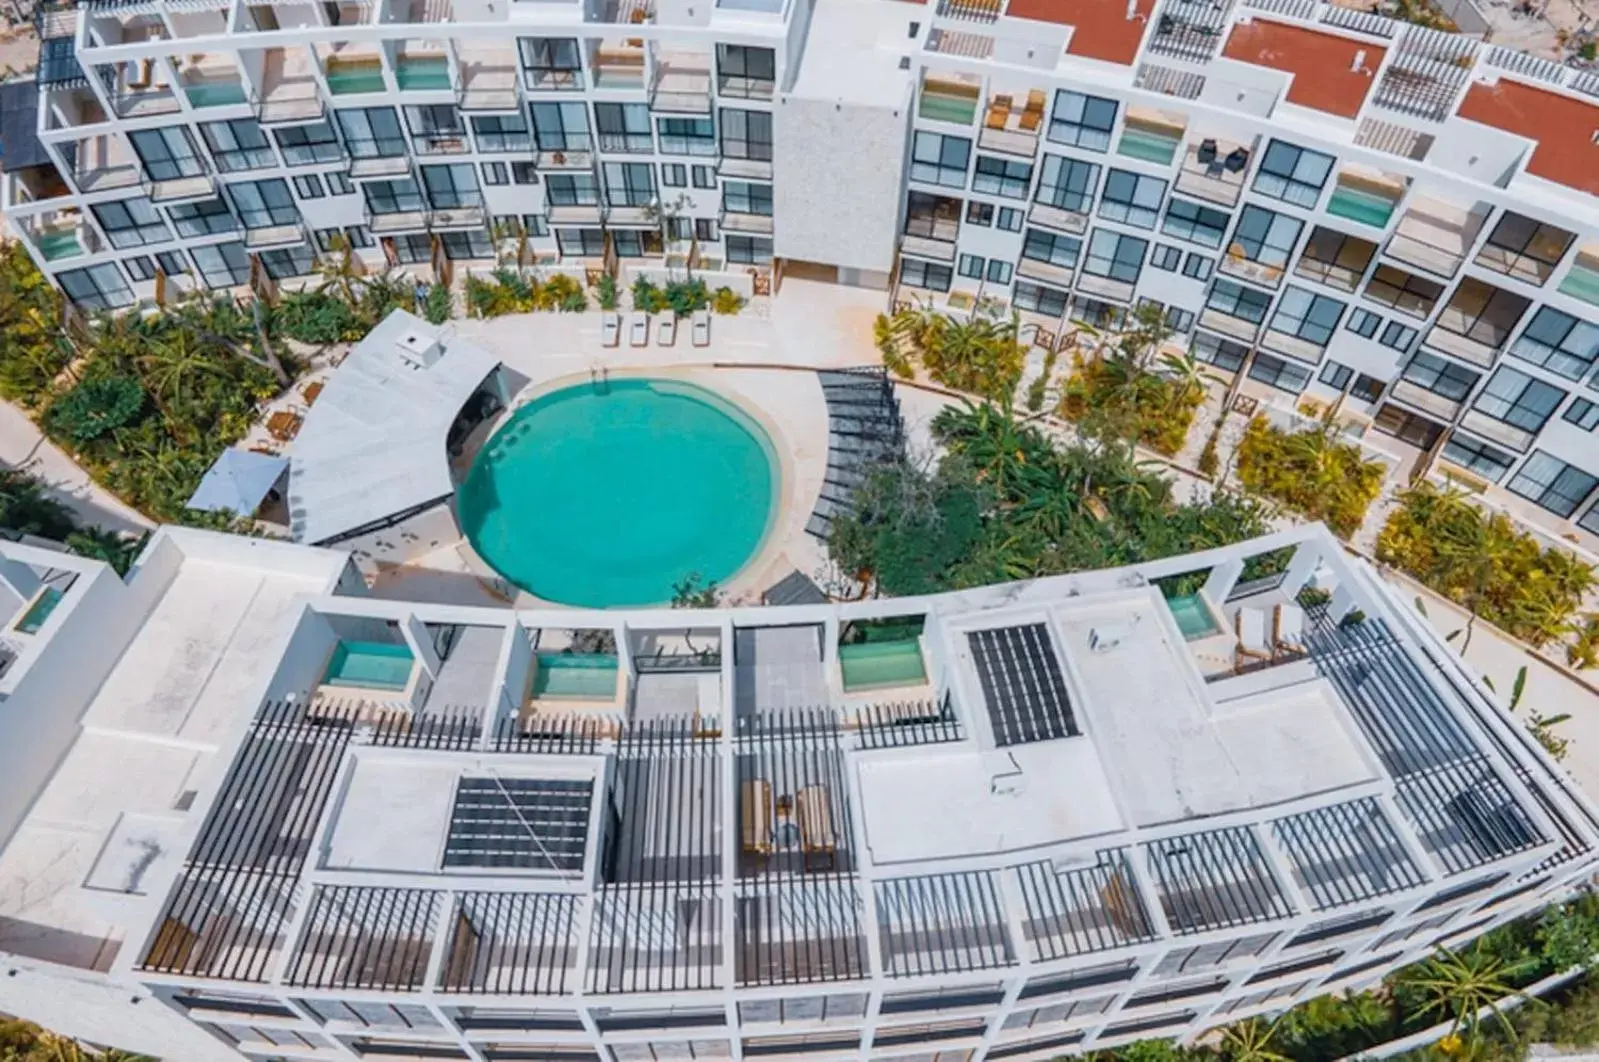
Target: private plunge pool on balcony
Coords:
[[612, 494], [1194, 616], [369, 665]]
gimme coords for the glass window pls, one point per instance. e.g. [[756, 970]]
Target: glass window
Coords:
[[1518, 399], [205, 218], [1307, 316], [139, 267], [748, 135], [624, 126], [237, 145], [501, 133], [1190, 221], [305, 144], [1057, 250], [572, 189], [1082, 121], [308, 186], [939, 159], [970, 266], [745, 71], [1583, 413], [999, 271], [1292, 173], [222, 265], [1266, 238], [1222, 353], [1335, 375], [551, 62], [1521, 247], [1036, 298], [1482, 313], [1552, 484], [1009, 219], [976, 213], [338, 183], [393, 197], [1478, 457], [932, 217], [560, 126], [703, 176], [1166, 258], [1132, 198], [167, 154], [674, 175], [98, 287], [1403, 291], [920, 274], [686, 136], [1275, 372], [1399, 337], [494, 173], [1198, 267], [263, 204], [1334, 259], [746, 197], [580, 243], [1559, 342], [467, 246], [705, 230], [1115, 256], [373, 133], [436, 128], [1441, 377], [452, 187], [1363, 322], [131, 223], [756, 250], [285, 262], [1067, 184], [1235, 300], [1002, 177]]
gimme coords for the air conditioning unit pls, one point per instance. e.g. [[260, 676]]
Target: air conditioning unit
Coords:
[[419, 350]]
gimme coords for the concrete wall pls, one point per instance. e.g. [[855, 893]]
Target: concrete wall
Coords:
[[833, 206], [405, 541]]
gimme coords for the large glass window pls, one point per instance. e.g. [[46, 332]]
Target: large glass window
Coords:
[[436, 129], [205, 218], [222, 265], [263, 204], [98, 287], [1552, 484], [1482, 313], [1265, 238], [1521, 247], [1403, 291], [1190, 221], [501, 133], [686, 136], [1067, 184], [167, 154], [747, 197], [452, 187], [744, 71], [919, 274], [1307, 316], [1236, 300], [630, 184], [932, 217], [1518, 399], [474, 245], [1559, 342], [754, 250], [372, 133], [1003, 177], [1082, 121], [1276, 372], [1037, 298], [747, 134], [1115, 256], [1222, 353], [1292, 173], [1334, 259], [238, 145], [586, 243], [304, 144], [938, 159], [1474, 456], [393, 197], [551, 62], [131, 223], [572, 189], [282, 263], [560, 126], [1043, 246], [1132, 198], [623, 127], [1443, 378]]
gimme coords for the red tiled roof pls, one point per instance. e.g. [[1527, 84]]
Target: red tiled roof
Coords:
[[1563, 127], [1322, 64], [1102, 29]]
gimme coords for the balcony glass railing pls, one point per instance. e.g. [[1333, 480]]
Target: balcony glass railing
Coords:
[[56, 244], [214, 93], [1150, 143], [353, 76], [948, 102], [422, 73], [1361, 204], [1583, 280]]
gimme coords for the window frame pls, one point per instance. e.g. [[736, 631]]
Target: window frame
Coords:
[[1283, 173], [1081, 120]]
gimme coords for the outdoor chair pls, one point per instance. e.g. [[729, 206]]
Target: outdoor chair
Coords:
[[1235, 161], [666, 331], [813, 809], [1250, 626], [1288, 628], [1207, 152], [611, 328], [638, 329], [702, 328]]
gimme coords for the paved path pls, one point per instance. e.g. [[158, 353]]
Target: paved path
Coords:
[[23, 446]]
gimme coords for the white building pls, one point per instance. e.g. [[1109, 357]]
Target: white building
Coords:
[[1018, 821]]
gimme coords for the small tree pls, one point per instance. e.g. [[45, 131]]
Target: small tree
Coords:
[[95, 408], [1458, 987]]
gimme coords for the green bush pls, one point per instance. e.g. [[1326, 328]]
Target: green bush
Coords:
[[605, 292], [35, 350], [686, 297], [726, 301], [438, 305], [1310, 472], [94, 408], [647, 297], [316, 318]]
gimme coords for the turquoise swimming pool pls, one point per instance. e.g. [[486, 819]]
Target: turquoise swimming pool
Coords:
[[370, 665], [1194, 617], [609, 495]]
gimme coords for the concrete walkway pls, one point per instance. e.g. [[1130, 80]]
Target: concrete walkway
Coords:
[[23, 446]]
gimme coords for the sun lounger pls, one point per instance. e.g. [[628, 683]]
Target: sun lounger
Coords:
[[702, 328], [638, 330], [666, 331], [1288, 628], [1250, 626], [813, 809], [611, 328], [755, 816]]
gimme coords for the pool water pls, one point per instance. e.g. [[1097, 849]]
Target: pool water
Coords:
[[578, 676], [1582, 283], [355, 79], [1368, 208], [1148, 145], [1193, 616], [422, 72], [876, 665], [39, 611], [215, 94], [611, 495], [374, 665]]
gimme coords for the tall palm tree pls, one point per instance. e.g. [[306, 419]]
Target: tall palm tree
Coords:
[[1460, 987], [1251, 1041], [174, 366]]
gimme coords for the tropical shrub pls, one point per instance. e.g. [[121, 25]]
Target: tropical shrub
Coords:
[[564, 293], [606, 292], [647, 297], [1583, 652], [1311, 472], [35, 350], [1123, 389], [980, 354], [1482, 563], [686, 297], [506, 290], [95, 407], [316, 318], [438, 304], [726, 301], [26, 509]]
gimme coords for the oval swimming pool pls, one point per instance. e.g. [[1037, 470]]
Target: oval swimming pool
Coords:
[[610, 494]]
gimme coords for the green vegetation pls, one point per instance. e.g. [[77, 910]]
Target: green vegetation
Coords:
[[438, 303], [506, 290], [727, 302], [1482, 563], [35, 351], [96, 407], [1311, 472], [980, 355], [25, 509], [1005, 503], [605, 292], [23, 1041], [681, 297], [1125, 390]]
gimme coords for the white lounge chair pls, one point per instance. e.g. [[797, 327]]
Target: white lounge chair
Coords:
[[666, 331], [638, 329], [611, 328], [1250, 626], [702, 328], [1288, 628]]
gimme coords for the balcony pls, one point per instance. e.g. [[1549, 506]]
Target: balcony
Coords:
[[1419, 397], [1152, 136], [631, 215], [379, 167], [745, 88], [618, 66], [180, 189], [58, 235], [466, 216], [1366, 196], [1293, 346], [289, 94], [932, 237], [1228, 325], [266, 237], [1045, 272], [949, 98], [1582, 281], [397, 223], [354, 74], [738, 221], [211, 81], [440, 142], [682, 83], [427, 71], [1009, 130], [1213, 170], [488, 77], [1497, 431], [1237, 263], [574, 214], [1435, 236], [1055, 218], [572, 159], [1106, 287], [140, 95]]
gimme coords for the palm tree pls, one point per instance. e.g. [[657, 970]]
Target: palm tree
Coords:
[[1251, 1041], [1472, 555], [173, 367], [1460, 987]]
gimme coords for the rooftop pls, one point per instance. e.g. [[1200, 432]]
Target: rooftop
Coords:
[[1562, 128], [1323, 65]]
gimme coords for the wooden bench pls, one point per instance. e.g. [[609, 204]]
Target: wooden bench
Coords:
[[813, 810], [755, 816]]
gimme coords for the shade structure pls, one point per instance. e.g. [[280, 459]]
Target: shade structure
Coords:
[[238, 481]]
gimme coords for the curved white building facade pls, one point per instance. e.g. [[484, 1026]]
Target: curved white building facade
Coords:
[[1017, 821]]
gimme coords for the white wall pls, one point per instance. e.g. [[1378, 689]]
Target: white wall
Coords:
[[407, 540], [304, 657]]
